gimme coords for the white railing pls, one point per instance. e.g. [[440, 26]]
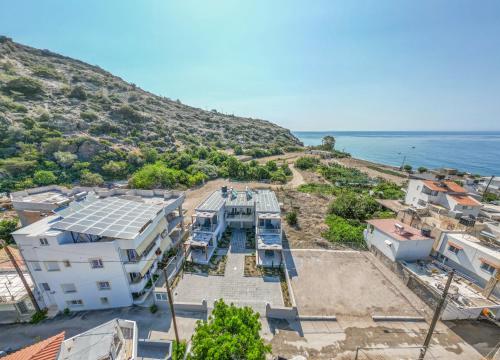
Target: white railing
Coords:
[[264, 230]]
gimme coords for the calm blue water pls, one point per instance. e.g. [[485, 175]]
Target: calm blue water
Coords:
[[475, 152]]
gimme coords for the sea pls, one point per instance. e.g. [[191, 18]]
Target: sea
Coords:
[[474, 152]]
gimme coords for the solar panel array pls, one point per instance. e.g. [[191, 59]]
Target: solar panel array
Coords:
[[111, 217]]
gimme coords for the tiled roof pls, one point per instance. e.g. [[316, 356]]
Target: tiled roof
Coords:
[[47, 349], [444, 186], [388, 226], [465, 200], [6, 264]]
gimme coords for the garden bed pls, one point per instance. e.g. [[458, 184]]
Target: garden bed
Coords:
[[250, 240], [225, 239], [217, 266]]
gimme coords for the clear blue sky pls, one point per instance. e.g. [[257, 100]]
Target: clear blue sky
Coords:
[[306, 65]]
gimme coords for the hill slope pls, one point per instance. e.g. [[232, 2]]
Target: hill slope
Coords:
[[76, 98]]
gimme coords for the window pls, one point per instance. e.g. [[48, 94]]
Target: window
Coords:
[[453, 249], [68, 288], [104, 301], [161, 296], [36, 266], [66, 263], [487, 267], [45, 286], [96, 263], [103, 285], [51, 265], [44, 242], [23, 309], [74, 303]]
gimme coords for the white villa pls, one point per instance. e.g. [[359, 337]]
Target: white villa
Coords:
[[442, 195], [101, 251], [249, 209]]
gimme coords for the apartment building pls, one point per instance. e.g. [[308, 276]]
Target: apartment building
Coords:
[[258, 210], [103, 251], [477, 260], [444, 196]]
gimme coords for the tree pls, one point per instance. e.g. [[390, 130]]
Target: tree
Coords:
[[230, 333], [328, 143], [351, 205], [44, 177], [306, 162], [238, 150], [422, 169], [407, 168], [291, 218]]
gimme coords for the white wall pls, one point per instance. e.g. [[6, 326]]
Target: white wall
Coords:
[[408, 250], [79, 273], [412, 193], [467, 260]]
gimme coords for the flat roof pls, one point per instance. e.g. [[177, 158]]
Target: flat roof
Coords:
[[214, 202], [96, 343], [110, 217], [263, 200], [388, 226], [475, 243], [12, 288], [267, 201]]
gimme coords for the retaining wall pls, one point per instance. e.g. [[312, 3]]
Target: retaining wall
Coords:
[[191, 306]]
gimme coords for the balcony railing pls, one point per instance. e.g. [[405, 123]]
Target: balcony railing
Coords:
[[239, 217], [266, 230], [209, 228]]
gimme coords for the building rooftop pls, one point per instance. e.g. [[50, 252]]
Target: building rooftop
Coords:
[[6, 264], [397, 230], [476, 243], [12, 288], [53, 194], [101, 341], [465, 200], [110, 217], [47, 349], [444, 186], [263, 200], [463, 292]]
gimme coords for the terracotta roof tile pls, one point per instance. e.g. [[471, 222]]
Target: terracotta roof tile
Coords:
[[444, 186], [454, 187], [465, 200], [47, 349]]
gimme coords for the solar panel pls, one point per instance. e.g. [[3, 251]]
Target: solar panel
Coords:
[[113, 217]]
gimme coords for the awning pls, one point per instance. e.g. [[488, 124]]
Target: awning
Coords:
[[490, 263], [162, 225], [455, 245]]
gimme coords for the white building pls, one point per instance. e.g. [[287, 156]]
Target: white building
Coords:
[[494, 184], [397, 241], [446, 195], [101, 252], [473, 258], [249, 209]]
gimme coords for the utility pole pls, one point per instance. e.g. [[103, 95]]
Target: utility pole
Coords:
[[435, 318], [21, 275], [487, 186], [171, 302]]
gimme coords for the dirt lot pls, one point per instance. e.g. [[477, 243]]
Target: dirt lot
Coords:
[[311, 211], [363, 166], [348, 284]]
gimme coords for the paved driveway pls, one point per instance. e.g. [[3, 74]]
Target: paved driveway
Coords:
[[233, 286]]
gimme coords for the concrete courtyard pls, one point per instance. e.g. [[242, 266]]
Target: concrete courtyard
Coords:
[[348, 284], [233, 287]]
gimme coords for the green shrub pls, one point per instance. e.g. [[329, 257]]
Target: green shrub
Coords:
[[88, 178], [351, 205], [44, 177], [422, 169], [292, 218], [89, 115], [153, 308], [78, 92], [7, 226], [323, 189], [46, 72], [407, 168], [306, 163], [39, 316], [115, 169], [66, 312], [343, 230], [24, 85], [388, 190], [489, 197]]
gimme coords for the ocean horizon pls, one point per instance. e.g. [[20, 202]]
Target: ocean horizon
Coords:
[[477, 152]]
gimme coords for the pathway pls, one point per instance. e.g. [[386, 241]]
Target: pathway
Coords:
[[233, 286]]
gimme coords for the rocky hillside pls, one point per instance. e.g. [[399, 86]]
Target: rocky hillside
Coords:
[[57, 93]]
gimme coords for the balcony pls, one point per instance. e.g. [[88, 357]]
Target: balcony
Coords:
[[173, 199], [172, 223], [203, 228], [268, 230], [240, 217]]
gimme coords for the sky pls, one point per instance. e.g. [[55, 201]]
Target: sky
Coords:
[[306, 65]]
